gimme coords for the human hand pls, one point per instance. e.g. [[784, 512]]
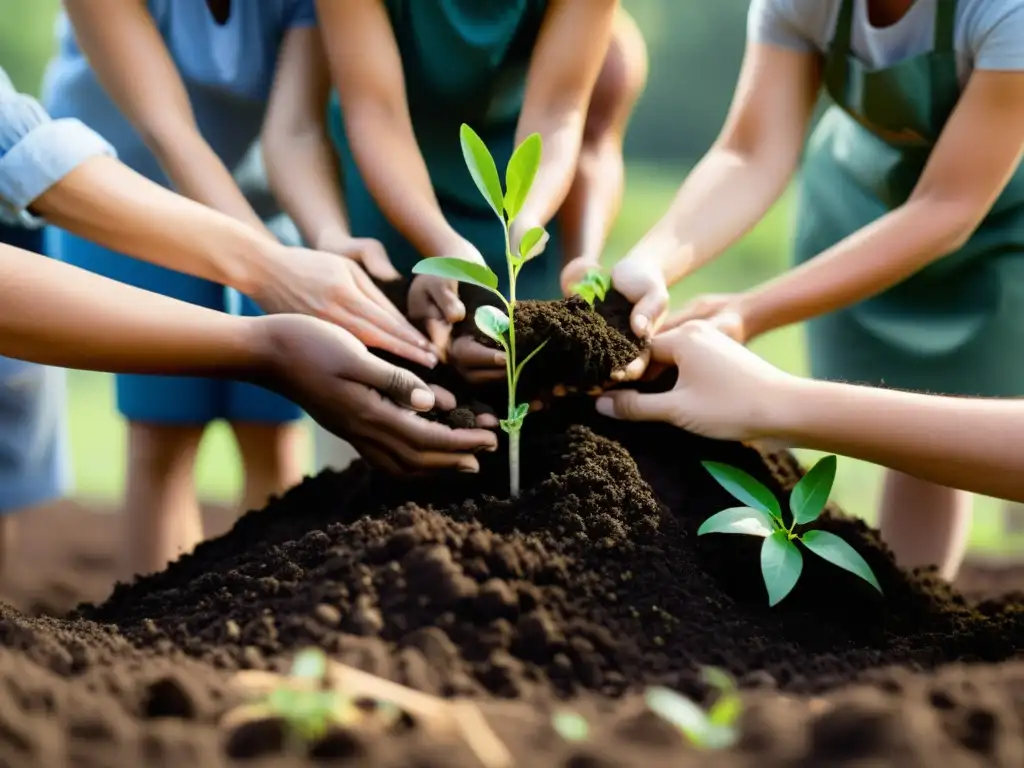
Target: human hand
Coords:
[[723, 391], [643, 283], [337, 289], [725, 311], [363, 399], [575, 271], [366, 251]]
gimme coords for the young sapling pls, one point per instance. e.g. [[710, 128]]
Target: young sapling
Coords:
[[781, 560], [593, 287], [496, 324]]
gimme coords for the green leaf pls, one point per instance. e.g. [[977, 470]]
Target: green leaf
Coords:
[[718, 679], [520, 172], [283, 700], [811, 494], [482, 168], [752, 522], [677, 710], [781, 564], [726, 710], [570, 726], [533, 243], [585, 292], [745, 488], [309, 663], [492, 322], [453, 268], [520, 411], [832, 548]]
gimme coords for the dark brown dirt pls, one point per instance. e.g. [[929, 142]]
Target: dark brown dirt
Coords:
[[582, 592]]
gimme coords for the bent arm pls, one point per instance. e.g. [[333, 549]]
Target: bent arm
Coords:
[[955, 442], [302, 168], [567, 58], [131, 61], [366, 68], [746, 170], [962, 180], [56, 314]]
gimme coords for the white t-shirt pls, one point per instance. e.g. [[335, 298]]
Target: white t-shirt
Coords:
[[988, 34]]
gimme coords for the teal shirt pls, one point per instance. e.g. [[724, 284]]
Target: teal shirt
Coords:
[[464, 61]]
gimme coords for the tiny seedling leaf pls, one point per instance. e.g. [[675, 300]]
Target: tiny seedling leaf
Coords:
[[519, 174], [745, 488], [570, 725], [718, 679], [811, 494], [453, 268], [832, 548], [492, 322], [747, 520], [781, 564], [593, 286], [309, 664], [520, 411], [482, 169], [677, 710], [726, 710], [533, 243]]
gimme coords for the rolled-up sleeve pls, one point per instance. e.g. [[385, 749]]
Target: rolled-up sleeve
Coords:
[[37, 151]]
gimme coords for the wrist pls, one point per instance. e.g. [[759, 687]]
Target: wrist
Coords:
[[262, 354], [660, 252], [326, 236], [788, 415]]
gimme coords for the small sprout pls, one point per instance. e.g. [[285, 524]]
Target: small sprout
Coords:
[[570, 726], [715, 729], [593, 287], [495, 324], [304, 705], [781, 560]]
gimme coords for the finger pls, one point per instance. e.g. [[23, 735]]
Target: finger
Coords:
[[413, 431], [443, 399], [635, 370], [649, 312], [379, 459], [486, 420], [468, 353], [373, 336], [396, 383], [731, 324], [630, 405], [378, 310], [482, 375], [447, 300], [440, 333], [375, 260]]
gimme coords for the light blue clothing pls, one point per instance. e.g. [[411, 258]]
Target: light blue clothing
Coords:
[[228, 71], [35, 153], [988, 34]]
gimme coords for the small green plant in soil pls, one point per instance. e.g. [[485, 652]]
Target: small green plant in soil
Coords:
[[714, 729], [305, 706], [495, 324], [781, 560], [593, 287]]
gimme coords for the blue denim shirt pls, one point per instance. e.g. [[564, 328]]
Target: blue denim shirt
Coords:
[[36, 152]]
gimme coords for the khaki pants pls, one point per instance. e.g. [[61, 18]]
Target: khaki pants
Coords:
[[331, 452]]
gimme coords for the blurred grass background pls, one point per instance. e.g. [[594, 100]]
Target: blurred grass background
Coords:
[[674, 123]]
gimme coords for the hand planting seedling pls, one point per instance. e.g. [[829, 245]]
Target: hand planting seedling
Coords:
[[781, 561], [593, 287], [714, 729], [495, 324]]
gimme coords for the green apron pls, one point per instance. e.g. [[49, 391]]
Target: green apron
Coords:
[[956, 326], [465, 61]]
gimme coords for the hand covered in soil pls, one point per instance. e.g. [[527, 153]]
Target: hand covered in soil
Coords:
[[723, 391], [338, 290], [643, 283], [363, 399], [364, 250]]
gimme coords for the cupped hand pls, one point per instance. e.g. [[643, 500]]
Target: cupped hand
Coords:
[[337, 289], [723, 391], [363, 399], [643, 283]]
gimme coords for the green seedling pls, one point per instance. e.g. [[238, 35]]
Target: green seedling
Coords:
[[493, 322], [305, 706], [714, 729], [781, 560], [571, 726], [593, 287]]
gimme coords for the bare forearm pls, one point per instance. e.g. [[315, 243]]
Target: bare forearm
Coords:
[[56, 314], [724, 196], [106, 202], [303, 174], [972, 444], [868, 262], [396, 175]]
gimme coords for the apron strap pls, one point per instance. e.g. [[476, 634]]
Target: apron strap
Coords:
[[844, 30], [945, 22]]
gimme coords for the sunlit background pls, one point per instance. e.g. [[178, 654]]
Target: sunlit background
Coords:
[[695, 51]]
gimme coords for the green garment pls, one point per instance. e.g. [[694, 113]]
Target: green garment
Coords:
[[956, 326], [465, 61]]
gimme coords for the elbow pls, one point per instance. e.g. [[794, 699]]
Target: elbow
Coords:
[[951, 222]]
